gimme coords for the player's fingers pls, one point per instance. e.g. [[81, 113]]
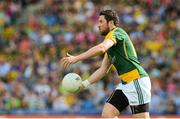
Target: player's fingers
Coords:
[[81, 86], [62, 60], [65, 59], [66, 62], [66, 65]]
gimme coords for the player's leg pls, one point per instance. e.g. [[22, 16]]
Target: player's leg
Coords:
[[109, 111], [115, 104], [140, 111], [144, 115]]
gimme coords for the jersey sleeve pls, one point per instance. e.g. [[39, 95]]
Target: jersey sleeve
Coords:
[[110, 36], [118, 35], [114, 35]]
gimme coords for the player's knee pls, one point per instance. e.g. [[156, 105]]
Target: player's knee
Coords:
[[107, 114], [144, 115], [109, 111]]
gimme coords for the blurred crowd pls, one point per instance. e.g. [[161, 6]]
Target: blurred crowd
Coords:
[[36, 34]]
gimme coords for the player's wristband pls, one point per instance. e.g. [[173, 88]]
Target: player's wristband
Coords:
[[86, 83]]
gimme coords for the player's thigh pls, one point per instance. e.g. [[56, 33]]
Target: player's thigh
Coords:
[[116, 103]]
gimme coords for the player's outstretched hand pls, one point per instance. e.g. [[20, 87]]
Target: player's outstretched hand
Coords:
[[69, 59]]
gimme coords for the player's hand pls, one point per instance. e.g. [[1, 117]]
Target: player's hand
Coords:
[[69, 59], [81, 87]]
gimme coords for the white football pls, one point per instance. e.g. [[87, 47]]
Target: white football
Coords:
[[71, 82]]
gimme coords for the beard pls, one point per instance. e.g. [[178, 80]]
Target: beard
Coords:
[[105, 32]]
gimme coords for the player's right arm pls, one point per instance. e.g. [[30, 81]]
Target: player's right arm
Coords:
[[99, 73], [96, 50]]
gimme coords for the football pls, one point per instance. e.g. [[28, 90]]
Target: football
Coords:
[[71, 82]]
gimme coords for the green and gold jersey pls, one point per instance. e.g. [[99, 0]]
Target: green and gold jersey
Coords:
[[123, 56]]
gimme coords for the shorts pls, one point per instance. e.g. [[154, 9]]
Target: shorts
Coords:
[[136, 94]]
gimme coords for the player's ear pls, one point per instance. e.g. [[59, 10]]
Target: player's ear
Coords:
[[110, 23]]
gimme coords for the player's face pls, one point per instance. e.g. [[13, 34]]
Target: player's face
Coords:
[[103, 25]]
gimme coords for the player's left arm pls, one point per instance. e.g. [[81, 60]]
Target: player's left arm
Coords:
[[94, 51], [98, 74]]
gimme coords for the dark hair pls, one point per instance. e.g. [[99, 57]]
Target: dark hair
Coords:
[[110, 15]]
